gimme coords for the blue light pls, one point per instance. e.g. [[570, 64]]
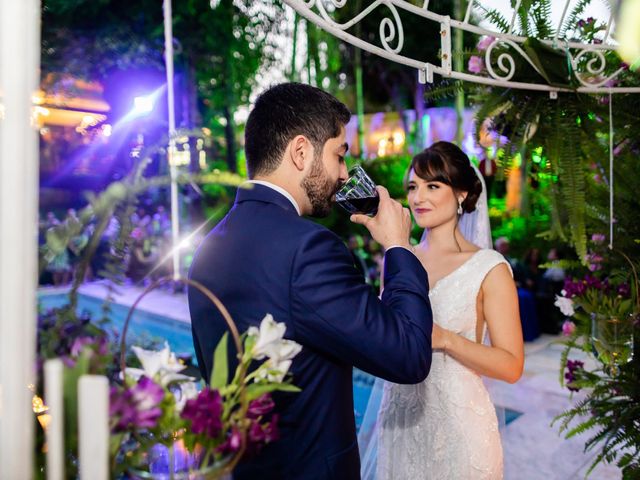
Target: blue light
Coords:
[[143, 105]]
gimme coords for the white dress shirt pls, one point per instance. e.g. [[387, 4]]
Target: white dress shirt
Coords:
[[279, 190]]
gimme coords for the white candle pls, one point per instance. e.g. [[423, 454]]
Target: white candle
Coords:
[[53, 397], [19, 78], [93, 427]]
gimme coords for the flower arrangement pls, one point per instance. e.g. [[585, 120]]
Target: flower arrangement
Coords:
[[161, 422], [603, 317]]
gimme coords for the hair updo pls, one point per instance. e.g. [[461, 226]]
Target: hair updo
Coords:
[[446, 163]]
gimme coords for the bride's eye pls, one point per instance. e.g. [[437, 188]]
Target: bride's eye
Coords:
[[433, 186], [411, 188]]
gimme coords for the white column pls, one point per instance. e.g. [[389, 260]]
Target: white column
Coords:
[[93, 427], [175, 212], [54, 398], [19, 78]]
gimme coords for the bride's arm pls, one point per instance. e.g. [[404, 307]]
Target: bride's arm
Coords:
[[504, 359]]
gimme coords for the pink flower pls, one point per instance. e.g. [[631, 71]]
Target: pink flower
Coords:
[[476, 64], [484, 43], [598, 238], [568, 327]]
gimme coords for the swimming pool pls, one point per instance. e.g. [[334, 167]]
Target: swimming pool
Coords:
[[143, 325]]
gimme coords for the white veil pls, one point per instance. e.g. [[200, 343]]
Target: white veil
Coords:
[[476, 229]]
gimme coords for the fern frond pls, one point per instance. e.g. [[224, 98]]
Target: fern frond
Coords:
[[495, 17], [572, 19], [446, 90]]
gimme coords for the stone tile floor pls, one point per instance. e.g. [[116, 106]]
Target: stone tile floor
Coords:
[[532, 448]]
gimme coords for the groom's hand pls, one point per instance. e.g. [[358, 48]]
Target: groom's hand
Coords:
[[392, 224]]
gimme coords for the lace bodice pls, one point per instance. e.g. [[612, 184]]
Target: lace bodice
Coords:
[[453, 297], [445, 427]]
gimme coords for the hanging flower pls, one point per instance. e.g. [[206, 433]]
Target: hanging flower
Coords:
[[484, 43], [565, 305], [476, 64], [598, 238]]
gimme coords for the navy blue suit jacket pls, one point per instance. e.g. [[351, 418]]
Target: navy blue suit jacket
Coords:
[[263, 258]]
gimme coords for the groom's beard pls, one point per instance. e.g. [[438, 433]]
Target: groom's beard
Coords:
[[320, 189]]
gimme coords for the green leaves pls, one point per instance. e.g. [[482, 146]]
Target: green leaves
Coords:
[[220, 372], [255, 390]]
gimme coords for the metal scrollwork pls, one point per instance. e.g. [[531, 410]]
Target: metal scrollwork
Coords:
[[594, 68], [390, 31], [505, 57], [588, 60]]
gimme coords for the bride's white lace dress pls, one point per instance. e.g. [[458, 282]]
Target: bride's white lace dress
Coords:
[[444, 428]]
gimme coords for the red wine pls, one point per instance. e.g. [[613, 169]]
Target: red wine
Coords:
[[366, 205]]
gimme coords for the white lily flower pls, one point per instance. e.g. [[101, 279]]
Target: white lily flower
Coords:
[[160, 365], [274, 371], [565, 305], [188, 390], [269, 335], [284, 350], [271, 344]]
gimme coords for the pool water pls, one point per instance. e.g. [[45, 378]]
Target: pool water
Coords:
[[148, 326], [143, 325]]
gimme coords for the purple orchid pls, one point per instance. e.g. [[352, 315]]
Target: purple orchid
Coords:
[[81, 342], [136, 407], [598, 238], [573, 288], [260, 435], [204, 412], [624, 290], [260, 406], [570, 375], [232, 443]]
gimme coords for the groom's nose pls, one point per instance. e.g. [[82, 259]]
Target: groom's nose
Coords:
[[344, 173]]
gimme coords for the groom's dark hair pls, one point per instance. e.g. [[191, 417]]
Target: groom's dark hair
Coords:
[[281, 113]]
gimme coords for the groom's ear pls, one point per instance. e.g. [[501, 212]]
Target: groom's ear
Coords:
[[300, 152]]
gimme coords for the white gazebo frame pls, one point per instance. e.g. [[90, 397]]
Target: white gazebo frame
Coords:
[[19, 60], [391, 37]]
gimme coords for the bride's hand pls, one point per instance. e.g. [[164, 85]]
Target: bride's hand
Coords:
[[440, 338]]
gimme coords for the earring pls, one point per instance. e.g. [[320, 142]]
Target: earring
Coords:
[[460, 208]]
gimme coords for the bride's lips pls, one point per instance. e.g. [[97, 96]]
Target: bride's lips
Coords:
[[420, 211]]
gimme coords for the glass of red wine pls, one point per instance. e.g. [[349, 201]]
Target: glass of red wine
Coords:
[[358, 194]]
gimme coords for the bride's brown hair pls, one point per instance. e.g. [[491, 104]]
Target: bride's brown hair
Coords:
[[445, 162]]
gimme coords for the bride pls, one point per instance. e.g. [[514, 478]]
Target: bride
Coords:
[[446, 427]]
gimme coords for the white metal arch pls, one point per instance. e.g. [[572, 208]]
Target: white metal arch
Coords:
[[391, 35]]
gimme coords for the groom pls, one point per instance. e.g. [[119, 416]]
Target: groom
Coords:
[[263, 257]]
